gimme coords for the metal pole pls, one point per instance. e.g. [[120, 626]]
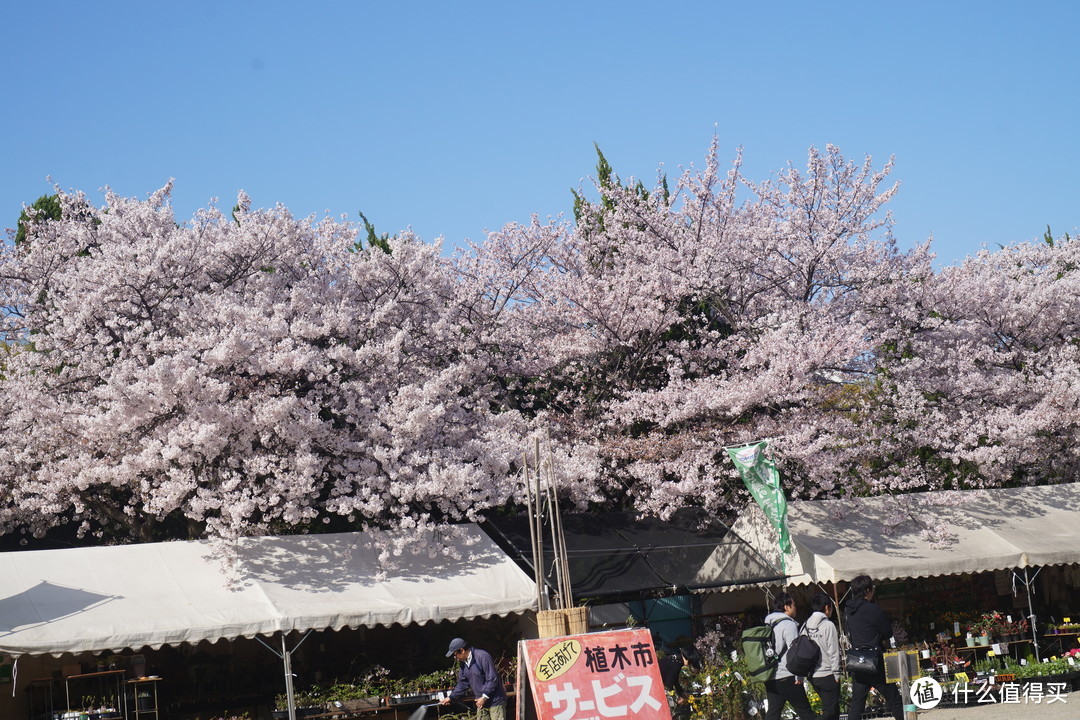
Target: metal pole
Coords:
[[286, 658], [1031, 614]]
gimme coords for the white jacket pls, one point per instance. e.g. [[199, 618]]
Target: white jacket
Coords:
[[823, 631], [784, 633]]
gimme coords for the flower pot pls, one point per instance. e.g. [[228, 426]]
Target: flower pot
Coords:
[[982, 639], [406, 699], [357, 704]]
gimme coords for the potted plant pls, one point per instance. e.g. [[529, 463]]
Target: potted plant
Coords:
[[986, 626], [307, 702], [355, 696], [144, 701]]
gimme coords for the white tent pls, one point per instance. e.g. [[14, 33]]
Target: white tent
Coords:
[[134, 596], [887, 537]]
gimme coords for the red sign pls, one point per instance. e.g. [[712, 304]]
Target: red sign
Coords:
[[596, 676]]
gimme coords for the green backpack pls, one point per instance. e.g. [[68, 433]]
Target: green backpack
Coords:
[[759, 650]]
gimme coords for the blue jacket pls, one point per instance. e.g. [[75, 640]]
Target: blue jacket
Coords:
[[481, 678]]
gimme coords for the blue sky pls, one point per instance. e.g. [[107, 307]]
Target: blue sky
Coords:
[[454, 118]]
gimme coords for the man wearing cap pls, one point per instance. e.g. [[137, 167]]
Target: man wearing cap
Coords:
[[478, 675]]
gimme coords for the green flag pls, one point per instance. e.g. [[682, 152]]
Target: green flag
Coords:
[[761, 478]]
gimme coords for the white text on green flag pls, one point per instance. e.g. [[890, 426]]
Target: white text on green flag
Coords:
[[762, 479]]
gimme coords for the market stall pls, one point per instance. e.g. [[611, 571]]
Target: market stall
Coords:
[[154, 595], [943, 558], [919, 535]]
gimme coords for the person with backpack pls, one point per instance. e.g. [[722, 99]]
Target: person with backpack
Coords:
[[868, 627], [820, 628], [783, 686]]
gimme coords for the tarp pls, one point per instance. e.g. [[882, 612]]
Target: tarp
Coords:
[[619, 556], [149, 595], [888, 537]]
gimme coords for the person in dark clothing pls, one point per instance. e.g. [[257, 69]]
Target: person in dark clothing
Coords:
[[784, 687], [869, 627], [478, 676], [671, 671]]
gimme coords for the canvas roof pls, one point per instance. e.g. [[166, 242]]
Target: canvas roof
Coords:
[[149, 595], [886, 537]]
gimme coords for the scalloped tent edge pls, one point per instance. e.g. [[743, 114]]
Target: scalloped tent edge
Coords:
[[886, 537], [112, 598]]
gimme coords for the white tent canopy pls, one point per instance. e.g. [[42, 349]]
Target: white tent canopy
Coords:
[[134, 596], [887, 537]]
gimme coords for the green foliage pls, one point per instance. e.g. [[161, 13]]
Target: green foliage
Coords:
[[721, 690], [374, 240], [1048, 237], [47, 207], [312, 697], [351, 691], [377, 682], [1034, 668], [608, 181]]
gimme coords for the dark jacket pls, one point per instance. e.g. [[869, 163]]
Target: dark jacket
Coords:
[[481, 678], [867, 624], [671, 672]]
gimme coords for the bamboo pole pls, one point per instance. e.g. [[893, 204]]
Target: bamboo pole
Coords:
[[539, 518], [557, 528], [533, 530]]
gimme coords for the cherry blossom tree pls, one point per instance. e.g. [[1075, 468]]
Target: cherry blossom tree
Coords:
[[233, 376], [664, 326], [259, 372], [980, 389]]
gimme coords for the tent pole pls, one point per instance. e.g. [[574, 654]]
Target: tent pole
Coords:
[[1031, 613], [286, 658]]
